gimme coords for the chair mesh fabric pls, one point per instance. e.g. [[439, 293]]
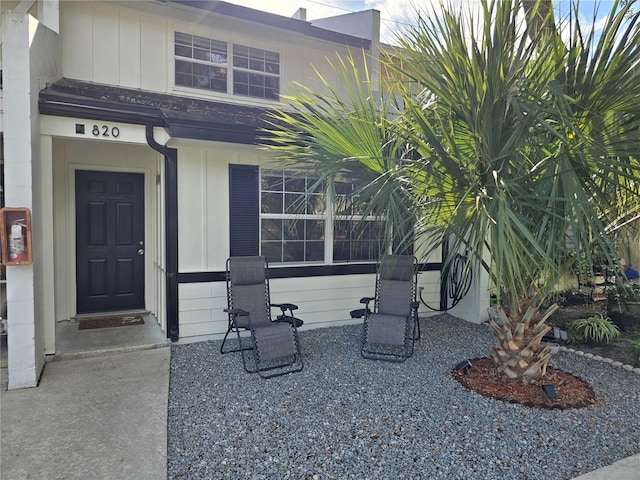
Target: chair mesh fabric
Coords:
[[275, 341], [386, 329], [251, 298], [394, 297], [247, 270], [396, 267]]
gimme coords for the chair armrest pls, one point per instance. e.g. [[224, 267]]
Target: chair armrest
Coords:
[[236, 312], [367, 300], [285, 306]]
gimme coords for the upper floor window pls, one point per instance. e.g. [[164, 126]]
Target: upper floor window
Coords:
[[204, 63]]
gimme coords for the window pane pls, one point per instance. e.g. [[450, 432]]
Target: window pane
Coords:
[[271, 82], [293, 252], [241, 77], [315, 204], [272, 250], [256, 80], [256, 91], [271, 229], [184, 67], [241, 50], [272, 202], [273, 57], [271, 180], [240, 62], [314, 252], [295, 185], [271, 93], [257, 65], [183, 38], [184, 80], [183, 51], [240, 89], [201, 42], [293, 229], [294, 203], [201, 54], [314, 229]]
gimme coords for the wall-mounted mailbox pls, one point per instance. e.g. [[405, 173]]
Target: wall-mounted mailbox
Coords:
[[15, 237]]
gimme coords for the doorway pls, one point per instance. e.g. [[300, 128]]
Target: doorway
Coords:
[[110, 248]]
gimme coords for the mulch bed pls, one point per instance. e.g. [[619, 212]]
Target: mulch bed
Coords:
[[571, 391], [110, 321]]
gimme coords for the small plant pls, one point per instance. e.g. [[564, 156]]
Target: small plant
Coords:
[[636, 352], [619, 297], [596, 328]]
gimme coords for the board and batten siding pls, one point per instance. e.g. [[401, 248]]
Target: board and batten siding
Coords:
[[71, 155], [116, 45], [203, 202]]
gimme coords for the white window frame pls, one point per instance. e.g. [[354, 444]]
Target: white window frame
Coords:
[[232, 69], [329, 217]]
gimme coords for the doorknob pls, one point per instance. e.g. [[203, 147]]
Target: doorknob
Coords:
[[141, 251]]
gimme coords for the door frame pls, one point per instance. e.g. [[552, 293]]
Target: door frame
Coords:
[[150, 240]]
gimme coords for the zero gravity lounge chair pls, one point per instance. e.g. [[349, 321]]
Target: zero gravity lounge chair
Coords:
[[273, 348], [390, 327]]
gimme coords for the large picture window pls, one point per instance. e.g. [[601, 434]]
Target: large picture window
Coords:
[[203, 63], [292, 221], [300, 223]]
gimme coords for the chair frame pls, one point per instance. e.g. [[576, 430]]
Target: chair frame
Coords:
[[239, 319], [375, 351]]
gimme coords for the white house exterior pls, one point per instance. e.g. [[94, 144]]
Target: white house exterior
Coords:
[[144, 117]]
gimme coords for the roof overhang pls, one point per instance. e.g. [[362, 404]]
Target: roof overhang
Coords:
[[183, 117]]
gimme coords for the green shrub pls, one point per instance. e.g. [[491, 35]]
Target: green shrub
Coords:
[[597, 328], [620, 295]]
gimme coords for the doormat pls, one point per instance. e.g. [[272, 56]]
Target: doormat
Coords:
[[110, 321]]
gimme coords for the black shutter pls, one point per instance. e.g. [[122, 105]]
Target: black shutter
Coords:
[[244, 214]]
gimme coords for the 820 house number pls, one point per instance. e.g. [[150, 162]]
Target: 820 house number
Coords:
[[105, 131]]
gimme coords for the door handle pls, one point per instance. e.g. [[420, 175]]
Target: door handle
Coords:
[[141, 251]]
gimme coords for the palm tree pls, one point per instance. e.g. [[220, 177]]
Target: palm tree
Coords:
[[508, 145]]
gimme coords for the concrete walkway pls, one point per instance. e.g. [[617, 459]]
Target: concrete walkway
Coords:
[[102, 418], [625, 469]]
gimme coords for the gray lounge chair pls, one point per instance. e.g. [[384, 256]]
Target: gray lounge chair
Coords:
[[274, 345], [392, 325]]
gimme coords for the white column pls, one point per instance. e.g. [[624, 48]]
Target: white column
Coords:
[[24, 364], [43, 238]]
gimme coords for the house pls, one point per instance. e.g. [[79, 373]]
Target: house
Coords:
[[131, 132]]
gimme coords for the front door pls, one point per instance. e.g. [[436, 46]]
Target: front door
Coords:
[[109, 241]]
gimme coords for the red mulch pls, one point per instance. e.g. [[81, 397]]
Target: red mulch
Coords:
[[571, 391]]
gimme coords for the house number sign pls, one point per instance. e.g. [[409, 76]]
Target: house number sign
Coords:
[[105, 131], [96, 130]]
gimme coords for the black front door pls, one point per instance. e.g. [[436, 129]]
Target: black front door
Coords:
[[109, 241]]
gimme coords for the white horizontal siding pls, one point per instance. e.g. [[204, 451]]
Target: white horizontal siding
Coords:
[[322, 301]]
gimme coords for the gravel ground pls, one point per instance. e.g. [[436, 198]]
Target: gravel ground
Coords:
[[344, 417]]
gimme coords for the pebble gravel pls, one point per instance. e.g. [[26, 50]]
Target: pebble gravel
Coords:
[[344, 417]]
